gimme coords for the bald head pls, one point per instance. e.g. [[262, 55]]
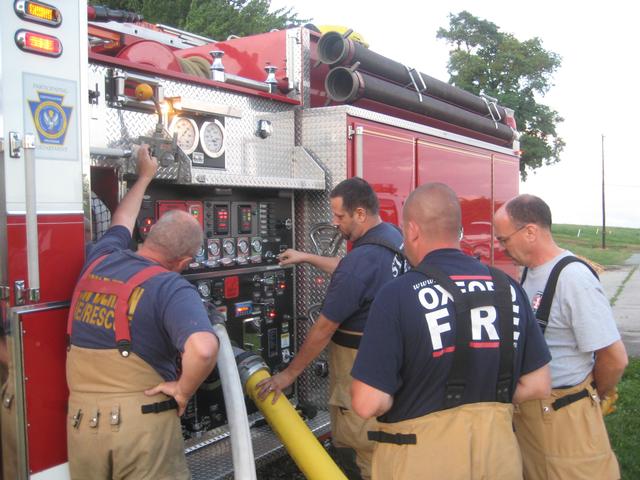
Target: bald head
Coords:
[[175, 236], [435, 209]]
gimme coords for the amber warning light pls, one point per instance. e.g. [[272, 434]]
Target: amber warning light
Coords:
[[39, 43], [38, 12]]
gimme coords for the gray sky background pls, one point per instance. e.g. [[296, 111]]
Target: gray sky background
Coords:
[[594, 90]]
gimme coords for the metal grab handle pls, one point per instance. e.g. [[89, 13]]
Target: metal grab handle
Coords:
[[313, 312], [326, 239], [31, 216], [111, 152]]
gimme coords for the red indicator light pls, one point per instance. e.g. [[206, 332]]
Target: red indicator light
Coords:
[[272, 314], [231, 287], [148, 221], [38, 43], [38, 12], [282, 286], [319, 281]]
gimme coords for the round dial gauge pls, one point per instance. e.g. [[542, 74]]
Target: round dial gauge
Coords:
[[229, 247], [204, 289], [212, 138], [257, 245], [214, 249], [187, 132], [243, 246]]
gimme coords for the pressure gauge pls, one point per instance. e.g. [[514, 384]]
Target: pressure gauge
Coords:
[[214, 248], [229, 247], [257, 245], [212, 138], [204, 289], [243, 246], [187, 132]]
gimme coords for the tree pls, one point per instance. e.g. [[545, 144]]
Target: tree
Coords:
[[485, 59], [212, 18]]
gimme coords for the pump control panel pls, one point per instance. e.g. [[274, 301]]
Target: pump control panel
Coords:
[[258, 306], [237, 271], [240, 228]]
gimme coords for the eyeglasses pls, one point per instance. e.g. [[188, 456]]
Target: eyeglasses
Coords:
[[504, 240]]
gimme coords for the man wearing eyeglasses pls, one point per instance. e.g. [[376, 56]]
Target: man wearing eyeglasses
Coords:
[[563, 436]]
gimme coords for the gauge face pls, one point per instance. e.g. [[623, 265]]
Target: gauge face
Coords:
[[229, 247], [243, 246], [257, 245], [187, 132], [214, 249], [212, 138], [204, 289]]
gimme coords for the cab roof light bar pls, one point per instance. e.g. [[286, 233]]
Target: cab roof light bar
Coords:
[[39, 43], [38, 12]]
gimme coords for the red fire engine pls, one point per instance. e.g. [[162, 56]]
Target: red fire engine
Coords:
[[251, 135]]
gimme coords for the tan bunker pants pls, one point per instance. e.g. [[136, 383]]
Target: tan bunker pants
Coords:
[[348, 430], [470, 442], [108, 436]]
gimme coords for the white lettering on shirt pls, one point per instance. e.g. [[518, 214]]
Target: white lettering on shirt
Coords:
[[435, 329], [483, 317]]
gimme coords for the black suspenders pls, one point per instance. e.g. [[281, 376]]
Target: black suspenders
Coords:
[[382, 243], [544, 309], [500, 298]]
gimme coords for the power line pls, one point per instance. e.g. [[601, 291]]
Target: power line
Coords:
[[622, 185]]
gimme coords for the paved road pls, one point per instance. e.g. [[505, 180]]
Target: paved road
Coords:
[[624, 281]]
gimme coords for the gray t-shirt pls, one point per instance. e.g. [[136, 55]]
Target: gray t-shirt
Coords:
[[580, 321]]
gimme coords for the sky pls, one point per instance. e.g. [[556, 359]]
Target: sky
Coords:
[[594, 89]]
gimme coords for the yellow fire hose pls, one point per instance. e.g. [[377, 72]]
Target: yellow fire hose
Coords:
[[304, 448]]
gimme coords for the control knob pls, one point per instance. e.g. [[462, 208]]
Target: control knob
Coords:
[[321, 368]]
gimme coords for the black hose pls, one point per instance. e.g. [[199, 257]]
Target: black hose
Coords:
[[335, 50], [346, 86]]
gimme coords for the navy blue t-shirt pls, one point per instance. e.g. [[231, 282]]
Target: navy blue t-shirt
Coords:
[[359, 277], [168, 310], [407, 347]]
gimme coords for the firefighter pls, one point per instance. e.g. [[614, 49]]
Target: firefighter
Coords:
[[374, 260], [447, 348], [131, 315], [564, 435]]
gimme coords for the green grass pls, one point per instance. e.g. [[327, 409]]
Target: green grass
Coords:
[[624, 424], [620, 242]]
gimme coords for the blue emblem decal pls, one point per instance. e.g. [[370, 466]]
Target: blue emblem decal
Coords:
[[50, 117]]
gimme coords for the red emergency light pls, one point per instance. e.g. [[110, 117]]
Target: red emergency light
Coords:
[[38, 12], [34, 42]]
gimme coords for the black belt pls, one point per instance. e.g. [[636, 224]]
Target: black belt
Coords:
[[345, 339], [395, 438], [569, 399], [158, 407]]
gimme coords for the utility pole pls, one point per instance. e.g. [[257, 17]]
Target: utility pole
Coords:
[[604, 223]]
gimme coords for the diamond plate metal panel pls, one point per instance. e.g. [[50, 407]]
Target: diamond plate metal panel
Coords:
[[250, 160], [324, 135], [215, 461]]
